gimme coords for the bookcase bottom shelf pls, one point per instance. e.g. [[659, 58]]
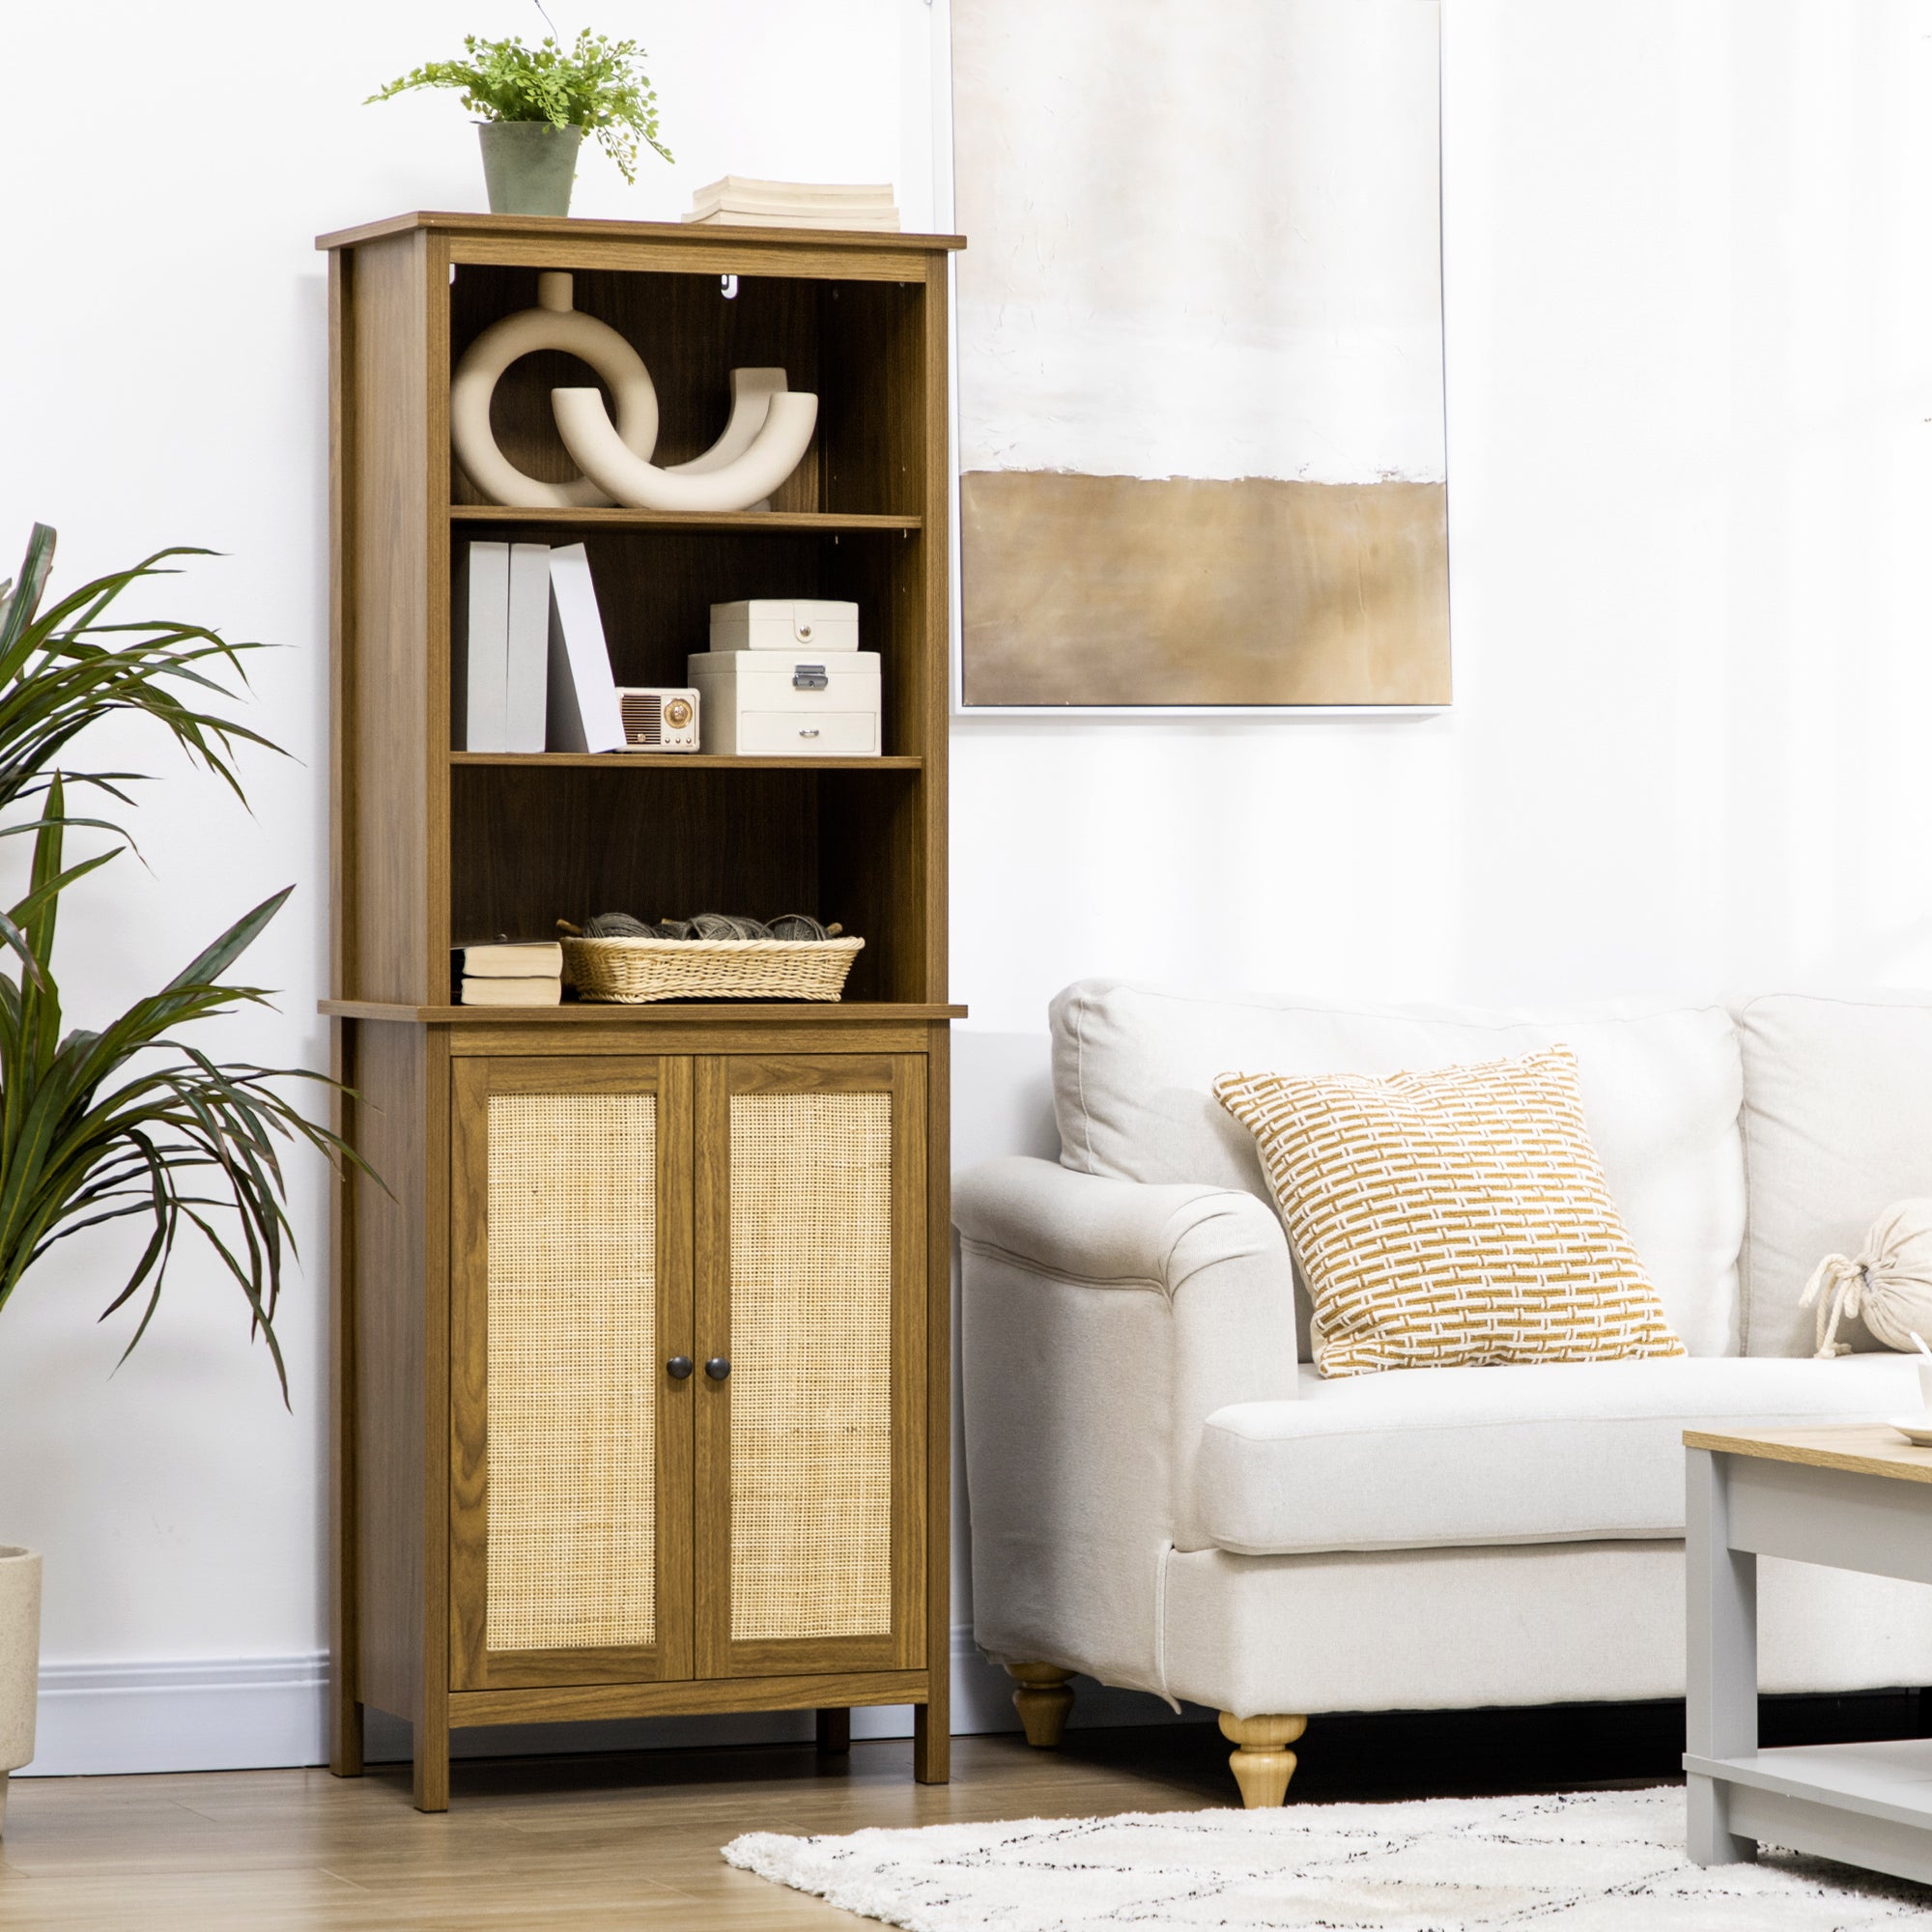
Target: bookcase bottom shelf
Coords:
[[663, 761], [759, 1013]]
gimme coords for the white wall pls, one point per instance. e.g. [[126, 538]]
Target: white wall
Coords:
[[161, 362], [1689, 357], [1689, 362]]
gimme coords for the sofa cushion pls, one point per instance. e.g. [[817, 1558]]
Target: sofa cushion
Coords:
[[1134, 1069], [1457, 1217], [1837, 1126], [1557, 1453]]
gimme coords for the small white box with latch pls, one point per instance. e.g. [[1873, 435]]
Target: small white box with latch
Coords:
[[761, 705], [803, 624]]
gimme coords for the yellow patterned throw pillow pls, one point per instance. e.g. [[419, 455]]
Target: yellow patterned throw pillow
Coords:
[[1458, 1219]]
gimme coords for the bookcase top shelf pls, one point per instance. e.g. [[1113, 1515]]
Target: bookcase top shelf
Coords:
[[565, 228], [809, 522]]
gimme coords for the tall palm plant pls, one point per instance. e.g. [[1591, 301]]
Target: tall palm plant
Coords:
[[129, 1121]]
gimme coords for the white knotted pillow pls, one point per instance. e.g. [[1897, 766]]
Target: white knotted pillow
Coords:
[[1887, 1282]]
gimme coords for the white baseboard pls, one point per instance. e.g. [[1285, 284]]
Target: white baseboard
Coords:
[[226, 1714], [241, 1713]]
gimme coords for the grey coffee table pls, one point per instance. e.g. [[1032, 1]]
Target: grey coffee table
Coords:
[[1856, 1498]]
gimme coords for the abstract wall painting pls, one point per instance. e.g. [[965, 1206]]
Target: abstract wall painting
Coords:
[[1200, 354]]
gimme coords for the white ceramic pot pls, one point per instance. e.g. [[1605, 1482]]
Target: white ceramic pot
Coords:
[[19, 1659]]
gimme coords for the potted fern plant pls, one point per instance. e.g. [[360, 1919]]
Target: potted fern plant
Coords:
[[535, 105], [126, 1121]]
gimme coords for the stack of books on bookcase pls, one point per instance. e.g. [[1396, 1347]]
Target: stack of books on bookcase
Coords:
[[532, 666], [510, 974], [738, 200]]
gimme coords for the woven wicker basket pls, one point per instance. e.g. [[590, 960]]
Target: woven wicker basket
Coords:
[[631, 970]]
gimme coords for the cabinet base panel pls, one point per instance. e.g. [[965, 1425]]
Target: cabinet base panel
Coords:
[[564, 1703]]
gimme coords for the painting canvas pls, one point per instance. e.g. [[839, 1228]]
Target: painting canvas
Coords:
[[1200, 354]]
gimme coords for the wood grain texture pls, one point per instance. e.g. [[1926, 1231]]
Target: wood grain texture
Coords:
[[588, 1844], [677, 239], [560, 524], [902, 1078], [345, 1708], [932, 1726], [934, 592], [385, 1290], [785, 1691], [1121, 590], [674, 761], [615, 1020], [432, 846], [431, 1713], [1865, 1448], [436, 827], [536, 846], [468, 1373], [813, 260], [384, 825], [474, 1666]]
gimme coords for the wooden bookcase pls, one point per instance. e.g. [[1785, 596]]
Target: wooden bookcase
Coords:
[[541, 1512]]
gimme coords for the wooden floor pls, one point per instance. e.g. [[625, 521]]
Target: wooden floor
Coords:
[[592, 1842]]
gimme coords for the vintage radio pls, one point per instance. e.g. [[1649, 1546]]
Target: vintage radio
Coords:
[[659, 719]]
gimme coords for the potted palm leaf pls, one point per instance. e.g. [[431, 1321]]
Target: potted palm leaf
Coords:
[[129, 1120]]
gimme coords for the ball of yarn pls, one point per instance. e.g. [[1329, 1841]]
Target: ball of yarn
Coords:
[[797, 925], [728, 926]]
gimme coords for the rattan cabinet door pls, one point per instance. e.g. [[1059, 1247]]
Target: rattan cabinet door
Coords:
[[810, 1243], [570, 1457]]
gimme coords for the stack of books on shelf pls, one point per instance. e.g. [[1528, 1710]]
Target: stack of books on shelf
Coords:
[[510, 974], [738, 201], [532, 666]]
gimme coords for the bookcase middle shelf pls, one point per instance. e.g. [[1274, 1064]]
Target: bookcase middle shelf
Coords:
[[664, 761], [770, 521]]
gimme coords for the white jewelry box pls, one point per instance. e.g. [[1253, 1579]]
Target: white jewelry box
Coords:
[[767, 704], [784, 624]]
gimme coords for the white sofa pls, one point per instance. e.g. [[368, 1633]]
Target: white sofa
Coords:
[[1166, 1496]]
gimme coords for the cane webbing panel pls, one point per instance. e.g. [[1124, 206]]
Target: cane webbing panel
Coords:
[[572, 1370], [812, 1504]]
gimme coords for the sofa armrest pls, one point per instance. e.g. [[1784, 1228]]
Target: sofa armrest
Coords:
[[1102, 1322], [1105, 1233]]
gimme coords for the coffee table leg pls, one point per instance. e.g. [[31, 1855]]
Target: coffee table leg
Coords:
[[1720, 1680]]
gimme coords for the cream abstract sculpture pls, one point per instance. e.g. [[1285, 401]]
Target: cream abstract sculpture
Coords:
[[552, 325], [719, 479], [768, 432]]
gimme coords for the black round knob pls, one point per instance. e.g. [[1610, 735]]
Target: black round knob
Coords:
[[718, 1368], [678, 1367]]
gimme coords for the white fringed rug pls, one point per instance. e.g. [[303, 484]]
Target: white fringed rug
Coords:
[[1593, 1861]]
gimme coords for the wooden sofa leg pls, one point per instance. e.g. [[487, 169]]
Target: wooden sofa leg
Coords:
[[1261, 1760], [1043, 1699]]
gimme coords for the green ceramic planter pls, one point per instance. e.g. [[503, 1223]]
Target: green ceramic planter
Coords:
[[529, 166]]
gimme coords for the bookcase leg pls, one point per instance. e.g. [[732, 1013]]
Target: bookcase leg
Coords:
[[931, 1742], [835, 1729], [432, 1760], [345, 1735]]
